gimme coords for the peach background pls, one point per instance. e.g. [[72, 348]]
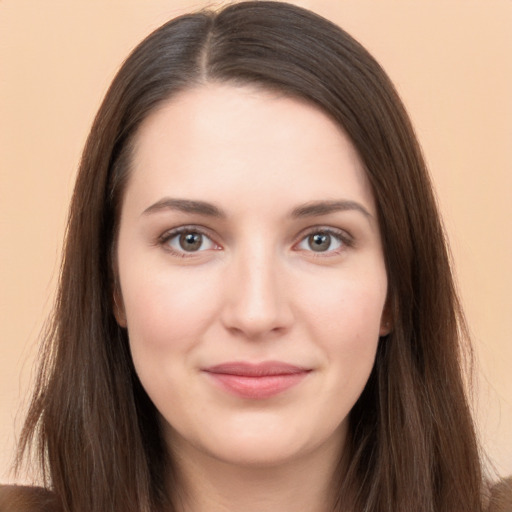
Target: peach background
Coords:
[[451, 61]]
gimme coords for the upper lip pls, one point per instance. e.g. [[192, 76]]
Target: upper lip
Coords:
[[264, 369]]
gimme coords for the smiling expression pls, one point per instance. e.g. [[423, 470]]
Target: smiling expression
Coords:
[[251, 275]]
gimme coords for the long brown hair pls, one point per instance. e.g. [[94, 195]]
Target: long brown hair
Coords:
[[411, 444]]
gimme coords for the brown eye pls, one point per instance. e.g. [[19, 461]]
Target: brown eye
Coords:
[[323, 241], [184, 241], [319, 242], [191, 241]]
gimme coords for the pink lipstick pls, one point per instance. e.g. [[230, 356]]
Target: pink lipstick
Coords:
[[256, 381]]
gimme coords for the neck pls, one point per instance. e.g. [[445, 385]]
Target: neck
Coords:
[[207, 484]]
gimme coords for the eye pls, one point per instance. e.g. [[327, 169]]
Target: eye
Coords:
[[187, 240], [323, 241]]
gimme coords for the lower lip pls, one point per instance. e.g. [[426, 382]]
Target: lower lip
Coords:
[[257, 388]]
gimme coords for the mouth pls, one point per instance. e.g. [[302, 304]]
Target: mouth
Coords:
[[256, 381]]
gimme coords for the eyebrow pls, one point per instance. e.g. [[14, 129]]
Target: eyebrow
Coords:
[[318, 208], [311, 209], [186, 206]]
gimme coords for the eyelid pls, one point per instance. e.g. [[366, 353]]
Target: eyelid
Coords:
[[164, 238], [343, 236]]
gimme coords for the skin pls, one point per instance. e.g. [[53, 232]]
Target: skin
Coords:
[[253, 290]]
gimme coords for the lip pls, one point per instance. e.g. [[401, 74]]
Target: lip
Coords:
[[256, 381]]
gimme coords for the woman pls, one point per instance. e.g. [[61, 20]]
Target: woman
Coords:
[[256, 310]]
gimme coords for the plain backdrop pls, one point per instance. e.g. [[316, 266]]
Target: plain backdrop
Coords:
[[451, 62]]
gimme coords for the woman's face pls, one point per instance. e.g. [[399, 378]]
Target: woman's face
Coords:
[[252, 280]]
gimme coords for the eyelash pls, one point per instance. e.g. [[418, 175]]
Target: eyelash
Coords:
[[343, 237], [169, 235]]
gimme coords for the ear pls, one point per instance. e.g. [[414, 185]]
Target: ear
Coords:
[[386, 320], [118, 307]]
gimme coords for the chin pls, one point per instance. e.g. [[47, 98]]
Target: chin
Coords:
[[260, 451], [259, 443]]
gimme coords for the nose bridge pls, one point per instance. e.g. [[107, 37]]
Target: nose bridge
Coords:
[[257, 302]]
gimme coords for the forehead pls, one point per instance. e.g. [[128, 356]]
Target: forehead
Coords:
[[222, 140]]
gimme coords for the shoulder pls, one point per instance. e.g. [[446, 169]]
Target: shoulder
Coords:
[[20, 498], [501, 496]]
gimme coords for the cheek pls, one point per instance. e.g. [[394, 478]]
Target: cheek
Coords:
[[352, 306], [344, 320], [167, 310], [167, 315]]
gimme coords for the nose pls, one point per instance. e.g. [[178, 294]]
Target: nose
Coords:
[[256, 303]]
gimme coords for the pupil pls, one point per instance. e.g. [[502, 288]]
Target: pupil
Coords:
[[191, 241], [320, 242]]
